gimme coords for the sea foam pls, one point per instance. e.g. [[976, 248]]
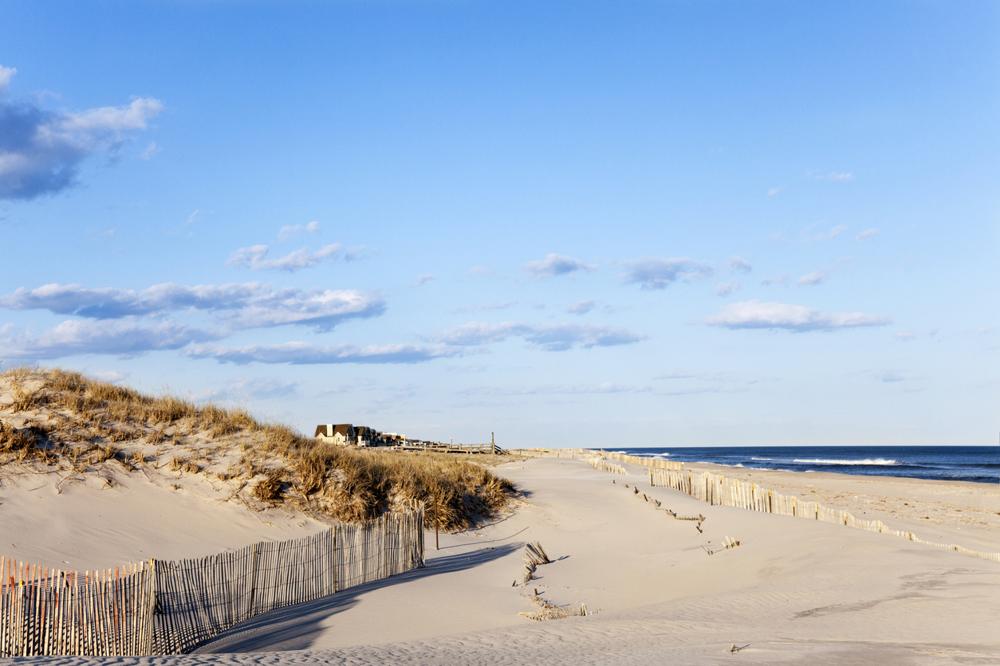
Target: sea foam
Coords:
[[830, 461]]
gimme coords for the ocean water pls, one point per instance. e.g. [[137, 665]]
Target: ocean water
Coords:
[[956, 463]]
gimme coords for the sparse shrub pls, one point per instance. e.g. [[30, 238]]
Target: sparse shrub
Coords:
[[269, 489]]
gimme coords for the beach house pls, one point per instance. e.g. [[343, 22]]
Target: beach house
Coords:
[[342, 434]]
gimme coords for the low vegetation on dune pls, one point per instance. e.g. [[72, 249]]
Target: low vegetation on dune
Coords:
[[55, 419]]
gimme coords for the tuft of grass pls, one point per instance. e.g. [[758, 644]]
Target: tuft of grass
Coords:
[[29, 442], [270, 489]]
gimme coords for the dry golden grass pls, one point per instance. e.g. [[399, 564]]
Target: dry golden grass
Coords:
[[92, 422]]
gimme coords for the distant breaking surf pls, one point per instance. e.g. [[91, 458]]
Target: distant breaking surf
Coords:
[[830, 461]]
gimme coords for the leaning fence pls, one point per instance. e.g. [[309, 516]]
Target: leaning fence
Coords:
[[170, 607]]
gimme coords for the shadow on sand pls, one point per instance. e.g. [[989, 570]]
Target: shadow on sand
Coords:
[[295, 627]]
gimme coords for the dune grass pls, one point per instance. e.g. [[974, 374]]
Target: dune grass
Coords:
[[79, 422]]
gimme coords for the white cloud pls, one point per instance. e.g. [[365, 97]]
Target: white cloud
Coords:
[[302, 353], [127, 337], [550, 337], [292, 230], [774, 191], [556, 264], [867, 233], [776, 281], [661, 273], [424, 279], [110, 376], [812, 279], [6, 74], [255, 258], [797, 318], [41, 151], [247, 305], [835, 176], [905, 336]]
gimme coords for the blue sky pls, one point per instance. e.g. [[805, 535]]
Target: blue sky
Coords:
[[602, 224]]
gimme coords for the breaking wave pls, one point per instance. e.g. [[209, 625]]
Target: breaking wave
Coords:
[[830, 461]]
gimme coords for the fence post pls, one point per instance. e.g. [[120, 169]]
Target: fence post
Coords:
[[252, 597]]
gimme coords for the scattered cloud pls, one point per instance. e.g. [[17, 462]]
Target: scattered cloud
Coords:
[[550, 337], [905, 336], [255, 258], [740, 265], [891, 377], [485, 307], [556, 389], [835, 176], [727, 288], [424, 279], [556, 264], [149, 151], [817, 234], [867, 233], [6, 74], [244, 390], [774, 191], [247, 305], [835, 231], [776, 281], [127, 337], [481, 270], [292, 230], [581, 307], [812, 279], [41, 150], [110, 376], [661, 273], [302, 353], [797, 318]]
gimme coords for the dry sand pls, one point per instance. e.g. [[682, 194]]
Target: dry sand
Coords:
[[84, 524], [794, 591]]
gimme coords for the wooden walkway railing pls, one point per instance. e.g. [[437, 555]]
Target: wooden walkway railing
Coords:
[[170, 607]]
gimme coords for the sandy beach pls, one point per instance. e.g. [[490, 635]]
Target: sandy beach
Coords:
[[793, 590]]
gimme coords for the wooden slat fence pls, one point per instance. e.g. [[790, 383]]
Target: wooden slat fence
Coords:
[[171, 607], [720, 490]]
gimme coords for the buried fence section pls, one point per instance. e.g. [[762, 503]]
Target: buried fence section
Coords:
[[172, 606]]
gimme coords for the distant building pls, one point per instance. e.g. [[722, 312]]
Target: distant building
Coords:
[[346, 434], [341, 434]]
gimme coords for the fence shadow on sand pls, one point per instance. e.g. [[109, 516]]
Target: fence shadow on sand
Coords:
[[296, 627]]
